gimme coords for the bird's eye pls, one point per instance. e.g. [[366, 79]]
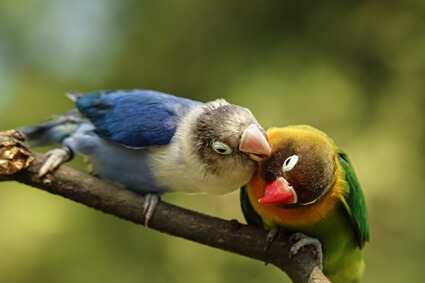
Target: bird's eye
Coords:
[[221, 148], [289, 163]]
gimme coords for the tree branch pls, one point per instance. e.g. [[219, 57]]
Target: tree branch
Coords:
[[19, 164]]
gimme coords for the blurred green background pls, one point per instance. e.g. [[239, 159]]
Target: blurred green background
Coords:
[[355, 69]]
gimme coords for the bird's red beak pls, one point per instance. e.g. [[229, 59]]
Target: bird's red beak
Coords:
[[254, 143], [278, 192]]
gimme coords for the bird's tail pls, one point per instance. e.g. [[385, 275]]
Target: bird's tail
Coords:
[[53, 131]]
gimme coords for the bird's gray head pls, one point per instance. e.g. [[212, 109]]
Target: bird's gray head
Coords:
[[227, 138]]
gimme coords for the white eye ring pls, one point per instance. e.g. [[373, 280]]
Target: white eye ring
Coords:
[[221, 148], [289, 163]]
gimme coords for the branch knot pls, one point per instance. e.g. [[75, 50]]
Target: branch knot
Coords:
[[14, 155]]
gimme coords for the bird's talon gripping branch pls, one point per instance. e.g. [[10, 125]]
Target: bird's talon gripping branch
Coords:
[[151, 201], [56, 157], [274, 233], [302, 240], [296, 237]]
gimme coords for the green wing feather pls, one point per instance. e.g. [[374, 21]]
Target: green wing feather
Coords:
[[251, 216], [355, 202]]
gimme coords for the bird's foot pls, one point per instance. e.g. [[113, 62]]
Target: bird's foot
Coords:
[[55, 158], [151, 201], [274, 233], [302, 240]]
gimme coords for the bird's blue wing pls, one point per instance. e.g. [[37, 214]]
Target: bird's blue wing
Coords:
[[134, 118]]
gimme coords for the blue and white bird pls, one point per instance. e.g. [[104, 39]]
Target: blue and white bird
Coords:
[[153, 142]]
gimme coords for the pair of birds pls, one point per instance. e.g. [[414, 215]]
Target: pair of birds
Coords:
[[295, 177]]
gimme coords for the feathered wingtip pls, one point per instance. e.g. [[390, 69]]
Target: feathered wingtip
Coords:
[[74, 96]]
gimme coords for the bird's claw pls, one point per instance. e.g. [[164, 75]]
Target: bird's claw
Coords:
[[274, 233], [151, 201], [296, 237], [302, 240], [55, 158]]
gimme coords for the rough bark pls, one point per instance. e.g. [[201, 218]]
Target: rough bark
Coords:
[[19, 164]]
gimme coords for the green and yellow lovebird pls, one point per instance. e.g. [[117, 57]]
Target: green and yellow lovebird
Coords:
[[308, 185]]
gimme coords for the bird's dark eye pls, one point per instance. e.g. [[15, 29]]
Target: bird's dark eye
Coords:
[[221, 147], [289, 163]]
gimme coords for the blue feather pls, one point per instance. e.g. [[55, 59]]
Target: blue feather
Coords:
[[54, 130], [135, 118], [127, 166]]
